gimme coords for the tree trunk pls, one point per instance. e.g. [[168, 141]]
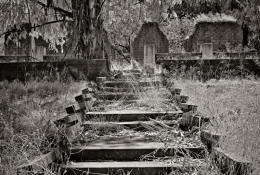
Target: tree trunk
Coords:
[[87, 28]]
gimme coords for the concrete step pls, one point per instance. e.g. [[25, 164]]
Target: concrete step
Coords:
[[120, 84], [117, 96], [131, 149], [133, 115], [123, 102], [135, 125], [131, 84], [131, 89], [133, 168]]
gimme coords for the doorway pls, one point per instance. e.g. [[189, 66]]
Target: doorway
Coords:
[[149, 55]]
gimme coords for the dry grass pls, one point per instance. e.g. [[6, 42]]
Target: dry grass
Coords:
[[27, 109], [26, 115], [234, 109]]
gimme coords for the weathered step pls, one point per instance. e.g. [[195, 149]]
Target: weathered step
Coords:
[[133, 115], [135, 125], [131, 84], [133, 168], [231, 164], [39, 164], [117, 89], [210, 138], [120, 84], [117, 96], [150, 83], [130, 149], [131, 89], [123, 102]]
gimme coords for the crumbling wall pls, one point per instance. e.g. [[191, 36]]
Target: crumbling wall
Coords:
[[225, 36], [149, 34]]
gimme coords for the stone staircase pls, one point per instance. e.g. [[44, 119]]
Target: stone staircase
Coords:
[[151, 141], [142, 127]]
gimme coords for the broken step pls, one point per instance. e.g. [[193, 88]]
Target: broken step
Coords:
[[231, 164], [188, 107], [131, 149], [39, 164], [210, 138], [133, 115], [117, 96], [134, 167]]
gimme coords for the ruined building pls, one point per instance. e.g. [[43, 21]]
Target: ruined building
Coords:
[[149, 41]]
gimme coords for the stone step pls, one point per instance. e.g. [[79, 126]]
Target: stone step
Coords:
[[133, 115], [117, 96], [131, 149], [120, 84], [135, 125], [118, 89], [131, 84], [133, 168], [123, 102], [131, 89]]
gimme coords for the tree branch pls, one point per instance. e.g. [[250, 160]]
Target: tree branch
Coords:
[[126, 47], [36, 26], [47, 23], [60, 10], [29, 12], [126, 56]]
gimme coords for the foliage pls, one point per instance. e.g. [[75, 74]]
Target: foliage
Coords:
[[176, 31], [16, 13], [85, 22]]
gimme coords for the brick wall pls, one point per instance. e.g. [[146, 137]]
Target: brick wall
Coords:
[[150, 34], [225, 36]]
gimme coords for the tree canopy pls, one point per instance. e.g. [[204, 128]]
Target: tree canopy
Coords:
[[87, 22]]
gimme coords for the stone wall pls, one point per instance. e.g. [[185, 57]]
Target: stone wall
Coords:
[[225, 36], [14, 58], [213, 68], [198, 56], [149, 34], [90, 68]]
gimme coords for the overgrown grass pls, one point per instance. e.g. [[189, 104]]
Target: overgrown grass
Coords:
[[27, 112], [234, 109]]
